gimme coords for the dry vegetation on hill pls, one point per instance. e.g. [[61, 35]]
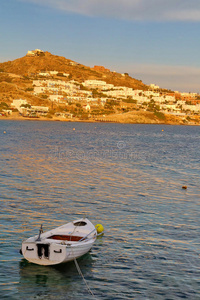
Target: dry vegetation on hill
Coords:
[[16, 81], [14, 88], [16, 76], [27, 66]]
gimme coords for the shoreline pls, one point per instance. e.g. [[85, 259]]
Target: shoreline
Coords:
[[41, 119]]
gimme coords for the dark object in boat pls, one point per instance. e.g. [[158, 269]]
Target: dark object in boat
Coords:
[[80, 223]]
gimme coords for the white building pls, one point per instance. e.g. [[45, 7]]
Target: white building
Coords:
[[159, 100], [18, 102], [56, 98], [94, 83], [170, 98], [141, 99], [192, 108], [53, 72], [34, 52], [30, 53], [153, 86], [39, 90], [39, 82], [170, 107], [86, 107], [45, 74], [39, 109], [180, 102], [151, 93]]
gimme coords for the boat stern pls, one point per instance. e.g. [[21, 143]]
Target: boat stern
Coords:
[[44, 253]]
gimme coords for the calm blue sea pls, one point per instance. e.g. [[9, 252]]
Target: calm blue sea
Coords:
[[128, 178]]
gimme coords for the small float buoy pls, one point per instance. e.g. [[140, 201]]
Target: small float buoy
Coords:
[[100, 229], [74, 129], [184, 187], [4, 132], [162, 129]]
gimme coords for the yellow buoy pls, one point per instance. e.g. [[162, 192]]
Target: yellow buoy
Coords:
[[99, 228], [4, 132]]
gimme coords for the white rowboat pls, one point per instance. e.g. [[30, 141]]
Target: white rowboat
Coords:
[[62, 244]]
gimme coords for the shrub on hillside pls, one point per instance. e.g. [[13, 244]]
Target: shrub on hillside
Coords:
[[159, 115], [4, 105], [128, 100], [49, 116]]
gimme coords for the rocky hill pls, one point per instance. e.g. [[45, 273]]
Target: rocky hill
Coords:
[[16, 82], [31, 65]]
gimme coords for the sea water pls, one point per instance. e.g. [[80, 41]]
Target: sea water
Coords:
[[127, 177]]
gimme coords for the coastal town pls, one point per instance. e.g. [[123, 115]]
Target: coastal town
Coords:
[[96, 100]]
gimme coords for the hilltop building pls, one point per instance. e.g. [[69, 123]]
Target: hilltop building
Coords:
[[154, 87], [36, 52]]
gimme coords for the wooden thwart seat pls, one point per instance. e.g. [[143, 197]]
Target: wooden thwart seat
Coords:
[[63, 237]]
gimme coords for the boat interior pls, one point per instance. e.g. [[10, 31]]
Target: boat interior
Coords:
[[63, 237]]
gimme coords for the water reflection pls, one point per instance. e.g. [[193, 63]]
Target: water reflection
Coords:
[[50, 281]]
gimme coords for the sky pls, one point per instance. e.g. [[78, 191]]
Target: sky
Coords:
[[156, 41]]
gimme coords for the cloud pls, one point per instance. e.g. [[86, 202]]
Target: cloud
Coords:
[[148, 69], [182, 78], [135, 10]]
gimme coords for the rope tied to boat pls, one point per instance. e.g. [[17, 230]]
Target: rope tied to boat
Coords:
[[81, 274]]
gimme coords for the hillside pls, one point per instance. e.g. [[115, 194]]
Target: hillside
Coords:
[[28, 66], [48, 86]]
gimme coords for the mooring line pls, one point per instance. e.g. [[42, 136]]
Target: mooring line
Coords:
[[81, 274]]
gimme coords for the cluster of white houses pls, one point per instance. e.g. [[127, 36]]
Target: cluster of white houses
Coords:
[[61, 91]]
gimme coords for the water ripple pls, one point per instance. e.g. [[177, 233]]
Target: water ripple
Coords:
[[51, 174]]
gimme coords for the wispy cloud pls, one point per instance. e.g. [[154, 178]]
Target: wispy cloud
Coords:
[[154, 69], [182, 78], [135, 10]]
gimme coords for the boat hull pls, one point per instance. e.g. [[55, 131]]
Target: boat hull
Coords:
[[59, 246]]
